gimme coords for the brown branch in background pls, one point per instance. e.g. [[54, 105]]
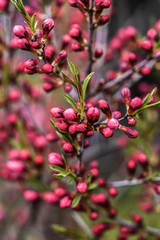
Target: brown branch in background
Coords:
[[91, 31]]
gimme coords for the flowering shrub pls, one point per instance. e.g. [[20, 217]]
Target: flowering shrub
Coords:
[[52, 163]]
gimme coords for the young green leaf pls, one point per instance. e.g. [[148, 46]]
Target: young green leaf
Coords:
[[148, 97], [85, 84], [70, 181], [57, 169], [33, 22], [78, 73], [72, 102], [70, 232], [60, 175], [67, 79], [76, 200], [71, 66], [62, 134], [92, 186]]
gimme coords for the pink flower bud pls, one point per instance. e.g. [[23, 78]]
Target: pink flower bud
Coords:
[[94, 215], [103, 20], [49, 53], [55, 159], [146, 45], [130, 32], [31, 64], [157, 189], [107, 132], [104, 106], [82, 127], [61, 57], [151, 34], [99, 198], [101, 182], [14, 153], [131, 167], [112, 192], [12, 118], [126, 95], [30, 195], [51, 137], [77, 47], [14, 43], [24, 154], [95, 172], [67, 147], [94, 164], [76, 4], [48, 86], [63, 126], [75, 33], [116, 114], [57, 112], [82, 187], [70, 114], [137, 219], [98, 53], [131, 121], [20, 31], [47, 68], [65, 202], [131, 133], [60, 192], [50, 197], [99, 229], [142, 159], [135, 103], [14, 95], [113, 123], [100, 4], [65, 41], [29, 71], [15, 165], [72, 129], [145, 70], [24, 44], [4, 5], [47, 25], [132, 58], [38, 160], [110, 75]]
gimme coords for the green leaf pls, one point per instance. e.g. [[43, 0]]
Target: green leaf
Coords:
[[85, 84], [70, 181], [60, 175], [145, 102], [90, 175], [148, 97], [62, 134], [67, 79], [92, 186], [71, 66], [70, 232], [71, 102], [57, 169], [78, 73], [15, 144], [76, 200], [33, 22]]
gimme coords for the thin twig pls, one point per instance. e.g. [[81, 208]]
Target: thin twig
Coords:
[[91, 31]]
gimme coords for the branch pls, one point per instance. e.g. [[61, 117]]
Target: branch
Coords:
[[133, 182], [90, 30]]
